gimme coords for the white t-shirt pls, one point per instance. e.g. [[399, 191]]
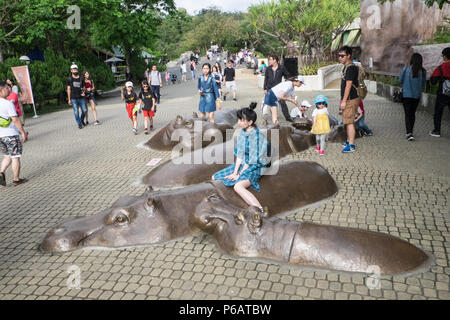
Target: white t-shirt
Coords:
[[183, 67], [319, 111], [7, 110], [297, 113], [287, 87]]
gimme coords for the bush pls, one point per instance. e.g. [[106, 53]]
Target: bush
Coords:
[[311, 70]]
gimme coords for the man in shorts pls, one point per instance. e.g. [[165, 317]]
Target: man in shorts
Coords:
[[349, 96], [10, 144], [229, 84]]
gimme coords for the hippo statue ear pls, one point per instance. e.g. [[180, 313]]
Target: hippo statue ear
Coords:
[[194, 115], [179, 119], [150, 203]]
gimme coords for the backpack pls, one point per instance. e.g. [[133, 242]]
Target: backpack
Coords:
[[192, 67], [445, 84], [361, 89]]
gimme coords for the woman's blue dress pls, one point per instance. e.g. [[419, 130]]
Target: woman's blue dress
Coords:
[[252, 148], [210, 94]]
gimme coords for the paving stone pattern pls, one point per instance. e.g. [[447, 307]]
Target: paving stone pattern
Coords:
[[389, 185]]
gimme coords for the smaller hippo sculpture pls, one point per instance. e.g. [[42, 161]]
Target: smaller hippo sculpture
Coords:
[[199, 165], [339, 134], [303, 124], [245, 233]]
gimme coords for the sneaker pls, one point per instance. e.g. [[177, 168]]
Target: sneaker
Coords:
[[344, 144], [349, 148], [410, 137], [234, 99], [87, 122], [322, 153], [135, 131], [146, 131], [435, 133], [2, 179], [317, 148], [151, 127], [20, 181], [224, 98], [80, 126], [96, 122], [370, 133]]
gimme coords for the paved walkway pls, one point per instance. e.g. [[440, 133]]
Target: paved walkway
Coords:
[[389, 185]]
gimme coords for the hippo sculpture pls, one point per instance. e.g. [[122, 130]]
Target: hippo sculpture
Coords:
[[245, 233], [199, 165], [339, 133], [159, 216]]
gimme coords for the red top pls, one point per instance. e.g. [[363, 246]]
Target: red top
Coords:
[[361, 105], [88, 84], [13, 97], [445, 69]]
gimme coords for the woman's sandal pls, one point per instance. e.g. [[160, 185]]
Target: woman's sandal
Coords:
[[20, 181]]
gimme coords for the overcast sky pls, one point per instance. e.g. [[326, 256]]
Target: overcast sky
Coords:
[[193, 6]]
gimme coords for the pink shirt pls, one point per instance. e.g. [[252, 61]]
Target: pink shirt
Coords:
[[14, 98]]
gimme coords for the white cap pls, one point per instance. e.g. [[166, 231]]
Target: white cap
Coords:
[[129, 84], [300, 79], [305, 103], [73, 66]]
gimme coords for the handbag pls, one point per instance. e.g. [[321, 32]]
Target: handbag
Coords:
[[445, 84], [398, 96]]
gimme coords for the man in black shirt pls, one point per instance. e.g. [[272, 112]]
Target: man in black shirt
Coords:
[[229, 82], [273, 76], [349, 96], [76, 95]]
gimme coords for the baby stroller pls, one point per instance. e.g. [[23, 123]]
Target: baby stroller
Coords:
[[173, 78]]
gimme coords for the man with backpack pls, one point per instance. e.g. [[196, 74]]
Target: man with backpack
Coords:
[[441, 75], [351, 95]]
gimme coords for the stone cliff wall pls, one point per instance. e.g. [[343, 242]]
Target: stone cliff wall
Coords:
[[390, 30]]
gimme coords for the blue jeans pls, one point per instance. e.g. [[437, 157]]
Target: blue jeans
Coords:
[[193, 74], [363, 126], [79, 103]]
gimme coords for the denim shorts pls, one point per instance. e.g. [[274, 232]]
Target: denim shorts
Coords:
[[271, 99], [11, 146]]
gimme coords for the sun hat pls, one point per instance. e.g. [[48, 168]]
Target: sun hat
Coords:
[[128, 84], [300, 79], [305, 103], [321, 98]]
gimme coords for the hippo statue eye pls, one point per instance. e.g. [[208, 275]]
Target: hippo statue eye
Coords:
[[214, 196], [122, 218], [239, 218], [149, 204], [189, 124]]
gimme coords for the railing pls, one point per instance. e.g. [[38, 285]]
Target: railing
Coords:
[[392, 79]]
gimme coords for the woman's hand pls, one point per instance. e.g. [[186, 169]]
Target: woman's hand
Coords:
[[200, 92], [219, 105], [232, 177]]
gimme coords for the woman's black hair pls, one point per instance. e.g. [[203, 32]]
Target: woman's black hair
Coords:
[[416, 64], [209, 66], [248, 113]]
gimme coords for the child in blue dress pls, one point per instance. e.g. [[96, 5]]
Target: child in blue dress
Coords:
[[251, 156], [209, 93]]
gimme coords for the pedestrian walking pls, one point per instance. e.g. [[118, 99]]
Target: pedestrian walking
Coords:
[[11, 131], [183, 71], [251, 157], [89, 89], [218, 77], [321, 123], [193, 66], [130, 98], [209, 94], [413, 79], [229, 81], [349, 96], [442, 76], [274, 74], [282, 92], [76, 95], [148, 103], [156, 83]]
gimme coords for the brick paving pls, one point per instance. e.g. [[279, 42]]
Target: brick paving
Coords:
[[389, 185]]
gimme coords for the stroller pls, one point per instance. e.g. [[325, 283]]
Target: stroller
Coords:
[[173, 78]]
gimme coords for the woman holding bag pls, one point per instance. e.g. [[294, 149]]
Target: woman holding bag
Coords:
[[413, 79]]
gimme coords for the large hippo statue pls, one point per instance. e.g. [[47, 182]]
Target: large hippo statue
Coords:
[[244, 233], [159, 216], [199, 165]]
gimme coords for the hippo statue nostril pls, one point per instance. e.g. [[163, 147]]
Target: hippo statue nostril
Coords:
[[58, 230]]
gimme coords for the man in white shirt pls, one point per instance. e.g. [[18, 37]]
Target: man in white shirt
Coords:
[[10, 144]]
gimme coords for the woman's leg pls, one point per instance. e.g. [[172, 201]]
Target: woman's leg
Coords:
[[202, 114], [134, 120], [86, 116], [211, 117], [274, 114], [414, 105], [407, 106], [146, 123], [249, 198], [94, 109], [322, 142]]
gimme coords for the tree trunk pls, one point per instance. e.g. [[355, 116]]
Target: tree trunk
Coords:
[[1, 54]]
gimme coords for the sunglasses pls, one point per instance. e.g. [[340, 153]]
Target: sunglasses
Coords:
[[320, 103], [341, 55]]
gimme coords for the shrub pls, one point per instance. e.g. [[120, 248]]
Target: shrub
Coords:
[[311, 69]]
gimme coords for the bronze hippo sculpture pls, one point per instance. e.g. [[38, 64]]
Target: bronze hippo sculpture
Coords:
[[303, 124], [159, 216], [199, 165], [339, 133], [244, 233]]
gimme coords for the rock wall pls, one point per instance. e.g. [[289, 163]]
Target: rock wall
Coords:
[[390, 30], [432, 56]]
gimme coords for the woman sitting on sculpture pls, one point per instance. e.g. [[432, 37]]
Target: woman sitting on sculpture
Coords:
[[251, 157]]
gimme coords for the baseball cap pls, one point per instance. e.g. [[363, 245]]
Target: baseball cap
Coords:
[[300, 79], [74, 66], [128, 84], [305, 103]]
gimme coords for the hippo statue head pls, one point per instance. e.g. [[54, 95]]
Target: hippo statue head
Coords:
[[246, 233], [339, 134], [194, 129], [130, 221], [303, 124]]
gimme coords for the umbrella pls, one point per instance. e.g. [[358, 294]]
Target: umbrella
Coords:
[[114, 59]]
